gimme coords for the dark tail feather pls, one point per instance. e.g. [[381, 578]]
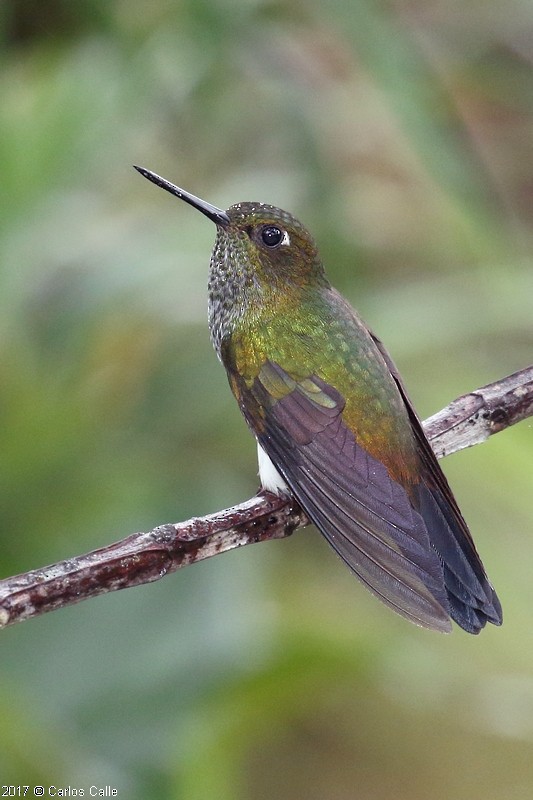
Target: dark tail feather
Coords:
[[473, 601]]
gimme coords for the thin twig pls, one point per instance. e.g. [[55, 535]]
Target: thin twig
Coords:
[[145, 557], [472, 418]]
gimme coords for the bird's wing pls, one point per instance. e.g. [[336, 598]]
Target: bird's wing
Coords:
[[473, 600], [365, 515]]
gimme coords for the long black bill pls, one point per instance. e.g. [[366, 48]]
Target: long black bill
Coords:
[[213, 213]]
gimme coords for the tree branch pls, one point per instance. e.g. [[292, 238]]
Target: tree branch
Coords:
[[145, 557]]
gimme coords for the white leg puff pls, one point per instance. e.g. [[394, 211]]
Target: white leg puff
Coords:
[[270, 478]]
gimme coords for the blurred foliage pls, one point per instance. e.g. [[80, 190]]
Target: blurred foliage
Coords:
[[402, 134]]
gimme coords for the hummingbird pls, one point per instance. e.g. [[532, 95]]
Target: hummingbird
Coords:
[[334, 424]]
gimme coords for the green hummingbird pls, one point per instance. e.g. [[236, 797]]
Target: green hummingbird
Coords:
[[332, 419]]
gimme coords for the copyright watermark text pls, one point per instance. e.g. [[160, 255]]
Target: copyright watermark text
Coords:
[[10, 790]]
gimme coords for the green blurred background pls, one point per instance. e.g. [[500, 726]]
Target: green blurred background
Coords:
[[402, 134]]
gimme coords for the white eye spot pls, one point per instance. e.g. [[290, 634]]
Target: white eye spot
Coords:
[[286, 239]]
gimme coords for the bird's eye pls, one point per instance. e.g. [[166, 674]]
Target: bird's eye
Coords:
[[271, 235]]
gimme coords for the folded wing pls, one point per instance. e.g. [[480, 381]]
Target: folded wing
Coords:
[[365, 515]]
